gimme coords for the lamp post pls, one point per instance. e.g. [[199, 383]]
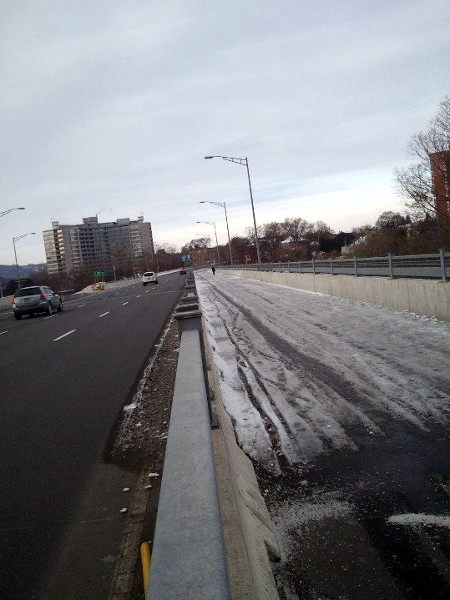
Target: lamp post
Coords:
[[5, 212], [224, 206], [19, 237], [244, 161], [215, 232]]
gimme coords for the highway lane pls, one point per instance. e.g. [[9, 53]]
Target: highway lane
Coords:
[[63, 381]]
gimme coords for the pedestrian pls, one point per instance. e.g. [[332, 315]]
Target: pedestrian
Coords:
[[213, 269]]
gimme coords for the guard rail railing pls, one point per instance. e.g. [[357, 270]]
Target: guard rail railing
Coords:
[[188, 558], [419, 266]]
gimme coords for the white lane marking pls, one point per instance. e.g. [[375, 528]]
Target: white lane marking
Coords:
[[138, 296], [3, 332], [81, 305], [104, 314], [64, 335], [125, 303]]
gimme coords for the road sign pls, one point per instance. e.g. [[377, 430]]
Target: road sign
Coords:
[[100, 273]]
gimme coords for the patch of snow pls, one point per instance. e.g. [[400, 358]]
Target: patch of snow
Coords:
[[420, 520], [292, 519]]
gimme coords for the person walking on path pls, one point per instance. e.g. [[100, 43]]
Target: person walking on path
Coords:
[[213, 269]]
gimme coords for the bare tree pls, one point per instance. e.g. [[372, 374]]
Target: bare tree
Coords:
[[320, 227], [196, 244], [166, 247], [415, 183], [296, 228], [273, 234], [391, 220], [250, 233]]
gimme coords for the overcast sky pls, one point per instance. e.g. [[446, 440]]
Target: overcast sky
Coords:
[[108, 108]]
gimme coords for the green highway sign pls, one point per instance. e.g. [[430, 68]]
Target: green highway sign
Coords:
[[100, 273]]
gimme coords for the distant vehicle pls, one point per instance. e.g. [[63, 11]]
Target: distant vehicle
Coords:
[[183, 272], [36, 299], [149, 277]]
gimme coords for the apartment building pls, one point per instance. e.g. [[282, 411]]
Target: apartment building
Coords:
[[106, 246]]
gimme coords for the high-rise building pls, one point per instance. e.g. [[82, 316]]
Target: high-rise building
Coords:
[[98, 245], [440, 169]]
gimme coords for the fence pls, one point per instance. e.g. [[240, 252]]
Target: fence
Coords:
[[419, 266]]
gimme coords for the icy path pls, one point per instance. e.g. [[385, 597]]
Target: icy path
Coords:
[[302, 373]]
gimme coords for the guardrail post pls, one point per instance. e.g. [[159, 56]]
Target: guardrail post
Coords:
[[313, 266], [391, 266], [355, 260], [442, 259], [300, 266], [189, 298], [331, 266]]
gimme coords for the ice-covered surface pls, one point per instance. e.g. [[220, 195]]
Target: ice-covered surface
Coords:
[[345, 406], [300, 371]]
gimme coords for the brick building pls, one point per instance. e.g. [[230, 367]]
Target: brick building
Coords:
[[440, 170]]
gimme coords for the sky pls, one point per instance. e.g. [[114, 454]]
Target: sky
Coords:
[[108, 108]]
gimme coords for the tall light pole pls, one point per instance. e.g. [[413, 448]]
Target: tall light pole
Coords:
[[5, 212], [244, 161], [215, 231], [19, 237], [224, 206]]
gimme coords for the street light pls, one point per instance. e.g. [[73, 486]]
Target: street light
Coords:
[[244, 161], [5, 212], [224, 206], [215, 231], [15, 254]]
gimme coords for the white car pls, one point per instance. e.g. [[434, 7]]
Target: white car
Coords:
[[149, 277]]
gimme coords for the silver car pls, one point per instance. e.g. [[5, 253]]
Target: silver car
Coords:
[[36, 299]]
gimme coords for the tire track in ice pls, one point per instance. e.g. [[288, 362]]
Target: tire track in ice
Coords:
[[306, 419]]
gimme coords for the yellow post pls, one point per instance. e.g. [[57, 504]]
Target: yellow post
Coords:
[[146, 562]]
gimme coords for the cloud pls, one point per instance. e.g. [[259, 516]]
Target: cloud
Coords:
[[115, 104]]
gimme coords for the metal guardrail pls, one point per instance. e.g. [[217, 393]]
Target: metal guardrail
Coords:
[[419, 266], [188, 558]]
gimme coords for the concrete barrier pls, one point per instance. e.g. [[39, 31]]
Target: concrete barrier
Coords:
[[421, 296]]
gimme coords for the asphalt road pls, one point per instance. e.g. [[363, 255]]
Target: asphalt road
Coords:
[[63, 382]]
